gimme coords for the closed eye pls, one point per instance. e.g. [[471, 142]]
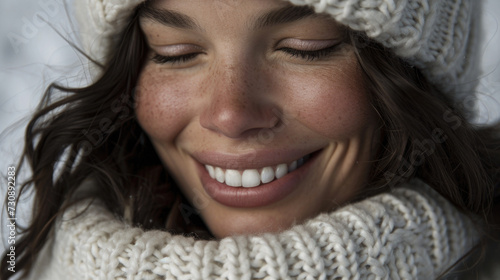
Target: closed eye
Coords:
[[305, 55], [162, 59], [310, 55]]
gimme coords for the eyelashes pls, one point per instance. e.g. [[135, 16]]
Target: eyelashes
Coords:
[[161, 59], [294, 53], [310, 55]]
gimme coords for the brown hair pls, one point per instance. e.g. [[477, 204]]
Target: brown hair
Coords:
[[93, 133], [428, 135]]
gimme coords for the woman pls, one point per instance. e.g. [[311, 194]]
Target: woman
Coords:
[[235, 124]]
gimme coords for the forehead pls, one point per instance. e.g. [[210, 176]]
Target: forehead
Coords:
[[195, 14], [217, 4]]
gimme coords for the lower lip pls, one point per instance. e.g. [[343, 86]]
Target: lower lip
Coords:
[[260, 196]]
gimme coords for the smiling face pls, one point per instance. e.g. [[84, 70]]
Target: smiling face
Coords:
[[258, 110]]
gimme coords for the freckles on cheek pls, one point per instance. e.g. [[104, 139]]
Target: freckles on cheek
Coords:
[[162, 106], [335, 106]]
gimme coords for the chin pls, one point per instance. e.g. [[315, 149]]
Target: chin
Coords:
[[247, 229], [233, 222]]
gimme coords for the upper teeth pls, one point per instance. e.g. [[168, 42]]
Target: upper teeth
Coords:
[[250, 178]]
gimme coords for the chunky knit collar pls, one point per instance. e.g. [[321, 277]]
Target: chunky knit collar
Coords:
[[408, 233]]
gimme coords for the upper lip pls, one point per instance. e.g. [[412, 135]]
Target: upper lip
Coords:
[[250, 160]]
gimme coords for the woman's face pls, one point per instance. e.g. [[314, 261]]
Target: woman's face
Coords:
[[258, 110]]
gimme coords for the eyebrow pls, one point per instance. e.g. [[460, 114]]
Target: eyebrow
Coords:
[[168, 17], [282, 15]]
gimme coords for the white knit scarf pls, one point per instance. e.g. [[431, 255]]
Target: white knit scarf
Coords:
[[408, 233]]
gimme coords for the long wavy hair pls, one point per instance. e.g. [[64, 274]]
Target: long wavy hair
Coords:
[[86, 133]]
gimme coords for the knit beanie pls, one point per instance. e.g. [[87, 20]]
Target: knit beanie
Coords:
[[439, 37]]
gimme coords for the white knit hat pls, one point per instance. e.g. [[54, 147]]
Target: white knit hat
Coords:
[[440, 37]]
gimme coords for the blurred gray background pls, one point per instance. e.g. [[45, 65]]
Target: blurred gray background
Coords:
[[32, 55]]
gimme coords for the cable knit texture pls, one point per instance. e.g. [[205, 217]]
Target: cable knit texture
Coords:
[[440, 37], [409, 233]]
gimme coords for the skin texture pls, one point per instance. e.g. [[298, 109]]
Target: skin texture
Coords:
[[242, 85]]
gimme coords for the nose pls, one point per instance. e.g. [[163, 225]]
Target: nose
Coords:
[[239, 102]]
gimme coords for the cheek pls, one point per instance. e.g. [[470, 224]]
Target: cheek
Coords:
[[331, 102], [162, 104]]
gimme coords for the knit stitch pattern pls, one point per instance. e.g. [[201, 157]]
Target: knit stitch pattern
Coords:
[[100, 22], [440, 37], [408, 233]]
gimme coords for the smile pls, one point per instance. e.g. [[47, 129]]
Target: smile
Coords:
[[251, 178]]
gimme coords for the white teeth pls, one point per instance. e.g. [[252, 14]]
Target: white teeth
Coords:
[[233, 178], [281, 170], [211, 170], [267, 175], [220, 175], [251, 178]]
